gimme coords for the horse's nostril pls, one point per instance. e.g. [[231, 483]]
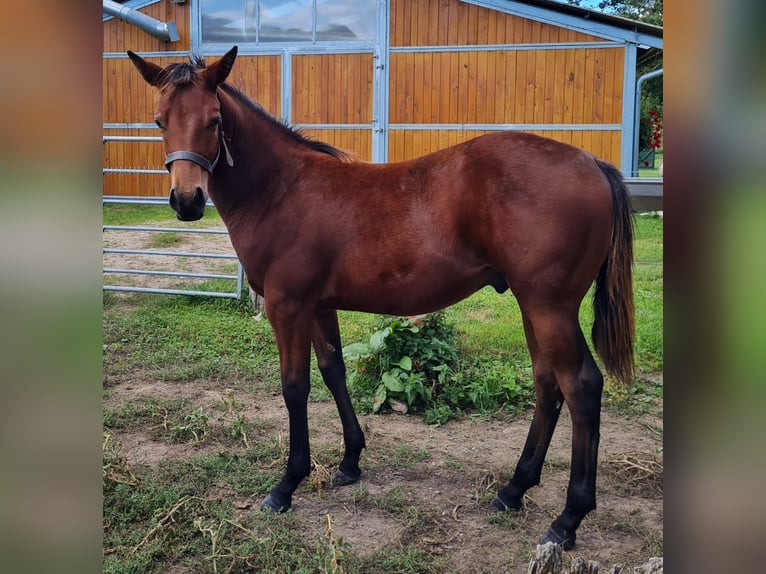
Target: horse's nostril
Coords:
[[174, 200], [199, 195]]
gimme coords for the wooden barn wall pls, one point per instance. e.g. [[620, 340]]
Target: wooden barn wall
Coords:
[[464, 89], [578, 85], [332, 89], [454, 23], [335, 89]]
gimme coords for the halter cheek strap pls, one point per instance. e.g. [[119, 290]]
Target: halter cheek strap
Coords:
[[201, 160]]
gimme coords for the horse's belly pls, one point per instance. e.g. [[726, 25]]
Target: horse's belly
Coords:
[[410, 293]]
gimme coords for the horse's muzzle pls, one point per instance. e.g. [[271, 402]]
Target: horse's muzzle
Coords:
[[188, 207]]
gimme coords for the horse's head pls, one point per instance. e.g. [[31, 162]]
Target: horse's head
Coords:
[[189, 115]]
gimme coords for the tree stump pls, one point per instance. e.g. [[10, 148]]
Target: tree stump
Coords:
[[654, 566], [547, 559]]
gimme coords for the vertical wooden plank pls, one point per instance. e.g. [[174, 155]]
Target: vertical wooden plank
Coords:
[[512, 29], [541, 79], [414, 28], [497, 87], [421, 36], [397, 22], [598, 86], [397, 96], [492, 17], [529, 94], [414, 85], [407, 23], [473, 24], [559, 85], [577, 138], [509, 83], [520, 87], [308, 70], [579, 87], [473, 85], [433, 23], [482, 26], [569, 71], [453, 24], [590, 73], [443, 22], [438, 86], [358, 94], [321, 99], [419, 88], [482, 95], [443, 80], [608, 86], [490, 87]]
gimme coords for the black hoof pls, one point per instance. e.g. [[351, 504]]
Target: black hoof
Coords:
[[500, 505], [341, 478], [271, 504], [565, 540]]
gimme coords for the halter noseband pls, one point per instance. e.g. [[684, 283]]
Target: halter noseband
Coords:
[[201, 160]]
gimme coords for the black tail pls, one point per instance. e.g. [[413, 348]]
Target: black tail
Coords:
[[614, 324]]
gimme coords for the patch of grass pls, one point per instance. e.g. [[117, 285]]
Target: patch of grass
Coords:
[[641, 397], [452, 463], [176, 338], [391, 501], [405, 456], [143, 411], [130, 214], [406, 560], [165, 239]]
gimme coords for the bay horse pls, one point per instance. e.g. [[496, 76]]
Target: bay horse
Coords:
[[317, 232]]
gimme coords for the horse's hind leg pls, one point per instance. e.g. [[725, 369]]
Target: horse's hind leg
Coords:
[[547, 409], [560, 339], [327, 346]]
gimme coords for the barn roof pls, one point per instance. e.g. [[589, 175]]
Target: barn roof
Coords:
[[595, 16], [583, 19]]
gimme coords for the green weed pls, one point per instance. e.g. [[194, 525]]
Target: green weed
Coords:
[[166, 239]]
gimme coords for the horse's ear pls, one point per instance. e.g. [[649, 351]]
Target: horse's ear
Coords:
[[151, 72], [217, 72]]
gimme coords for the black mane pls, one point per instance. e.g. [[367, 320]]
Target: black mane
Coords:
[[291, 131], [182, 73]]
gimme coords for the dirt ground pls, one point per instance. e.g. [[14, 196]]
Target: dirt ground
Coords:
[[458, 470], [460, 466]]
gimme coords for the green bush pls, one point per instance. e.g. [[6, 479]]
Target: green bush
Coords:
[[406, 359], [415, 361]]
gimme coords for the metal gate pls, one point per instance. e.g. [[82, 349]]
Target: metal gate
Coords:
[[236, 279]]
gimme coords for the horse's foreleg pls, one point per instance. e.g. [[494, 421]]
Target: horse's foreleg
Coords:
[[327, 346], [547, 409], [293, 335]]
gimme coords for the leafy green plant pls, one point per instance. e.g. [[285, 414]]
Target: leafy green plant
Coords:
[[406, 360], [414, 361], [195, 425]]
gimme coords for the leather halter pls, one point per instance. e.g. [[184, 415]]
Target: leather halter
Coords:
[[202, 161]]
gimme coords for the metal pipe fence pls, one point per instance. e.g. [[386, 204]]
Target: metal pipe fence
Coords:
[[237, 278]]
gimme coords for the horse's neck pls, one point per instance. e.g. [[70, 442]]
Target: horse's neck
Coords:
[[258, 163]]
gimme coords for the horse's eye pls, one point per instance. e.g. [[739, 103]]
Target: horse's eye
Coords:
[[215, 122], [158, 122]]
